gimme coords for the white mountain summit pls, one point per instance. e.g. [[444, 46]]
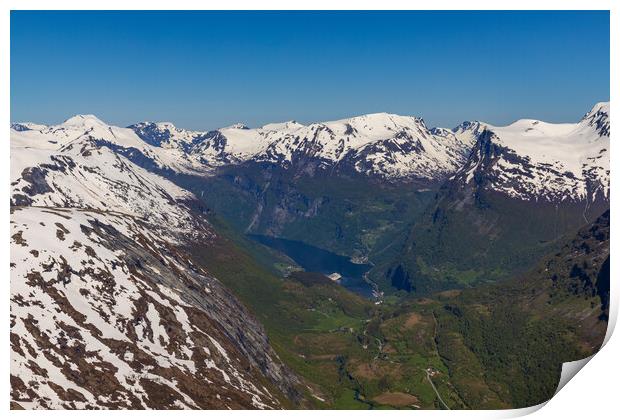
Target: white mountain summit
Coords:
[[535, 160]]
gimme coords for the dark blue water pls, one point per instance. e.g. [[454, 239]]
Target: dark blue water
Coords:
[[314, 259]]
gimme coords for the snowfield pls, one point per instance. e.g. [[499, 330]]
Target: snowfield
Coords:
[[385, 145], [64, 167], [535, 160]]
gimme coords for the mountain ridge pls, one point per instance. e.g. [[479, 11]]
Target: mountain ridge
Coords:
[[381, 144]]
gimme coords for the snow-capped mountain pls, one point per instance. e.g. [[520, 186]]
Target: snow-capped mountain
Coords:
[[535, 160], [88, 128], [107, 309], [67, 166], [556, 161], [385, 145]]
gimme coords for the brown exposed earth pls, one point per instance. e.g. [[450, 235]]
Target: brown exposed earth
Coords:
[[396, 399]]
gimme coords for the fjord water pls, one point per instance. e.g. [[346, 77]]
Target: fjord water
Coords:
[[314, 259]]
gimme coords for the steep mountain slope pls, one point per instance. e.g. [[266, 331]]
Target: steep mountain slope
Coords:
[[107, 308], [81, 129], [105, 313], [65, 168], [215, 148], [310, 183], [522, 187], [386, 145], [331, 212], [490, 347]]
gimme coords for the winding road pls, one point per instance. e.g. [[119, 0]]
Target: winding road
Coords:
[[428, 376]]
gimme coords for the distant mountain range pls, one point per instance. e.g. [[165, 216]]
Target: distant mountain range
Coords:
[[529, 159]]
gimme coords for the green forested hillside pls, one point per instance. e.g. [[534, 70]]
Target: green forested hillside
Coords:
[[523, 329], [494, 346], [470, 237]]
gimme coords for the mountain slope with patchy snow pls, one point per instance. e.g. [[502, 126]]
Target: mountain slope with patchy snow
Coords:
[[78, 173], [107, 310], [531, 159], [107, 314]]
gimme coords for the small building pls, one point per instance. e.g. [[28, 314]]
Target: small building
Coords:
[[335, 276]]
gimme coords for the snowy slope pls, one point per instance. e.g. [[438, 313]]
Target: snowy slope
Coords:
[[203, 150], [386, 145], [533, 160], [556, 161], [105, 313], [81, 128], [63, 167]]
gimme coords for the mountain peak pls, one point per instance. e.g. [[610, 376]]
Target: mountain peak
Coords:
[[161, 125], [237, 126], [377, 116], [27, 126], [383, 120], [83, 119], [166, 124], [600, 107], [468, 126], [288, 125], [598, 117]]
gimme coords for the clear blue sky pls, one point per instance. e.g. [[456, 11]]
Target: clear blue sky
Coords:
[[203, 70]]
